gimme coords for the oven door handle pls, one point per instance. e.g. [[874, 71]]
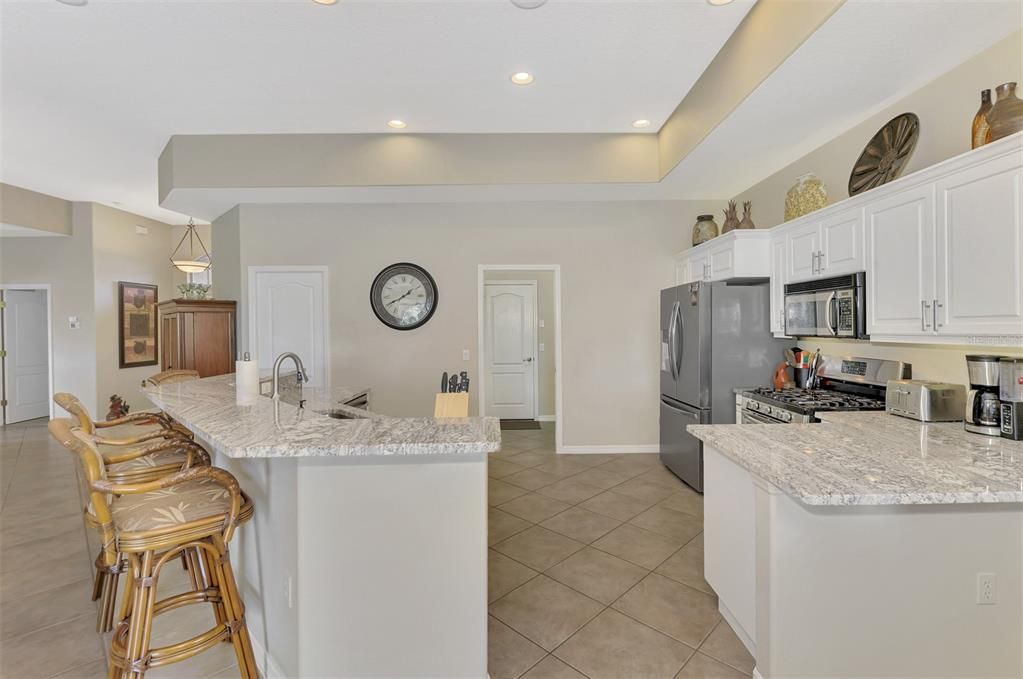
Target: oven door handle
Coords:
[[749, 417], [832, 310]]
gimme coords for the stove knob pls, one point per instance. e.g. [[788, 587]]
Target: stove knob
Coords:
[[752, 405], [787, 416], [766, 410]]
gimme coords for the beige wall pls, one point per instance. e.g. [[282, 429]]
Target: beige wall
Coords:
[[945, 106], [614, 259], [65, 263], [22, 207], [545, 335], [119, 254]]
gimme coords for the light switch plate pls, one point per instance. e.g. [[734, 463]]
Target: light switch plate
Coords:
[[541, 346], [465, 354], [541, 322], [73, 323]]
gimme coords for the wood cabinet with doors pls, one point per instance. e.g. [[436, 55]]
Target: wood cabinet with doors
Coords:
[[198, 335]]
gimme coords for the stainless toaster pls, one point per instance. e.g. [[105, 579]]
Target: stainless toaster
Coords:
[[926, 401]]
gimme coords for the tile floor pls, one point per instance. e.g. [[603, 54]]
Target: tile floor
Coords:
[[596, 570], [47, 622]]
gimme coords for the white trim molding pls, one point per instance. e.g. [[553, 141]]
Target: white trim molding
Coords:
[[546, 418], [481, 397]]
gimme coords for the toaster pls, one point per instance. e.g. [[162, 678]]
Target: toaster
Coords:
[[926, 401]]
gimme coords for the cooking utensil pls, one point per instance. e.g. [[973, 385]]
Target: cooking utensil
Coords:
[[790, 358], [444, 382]]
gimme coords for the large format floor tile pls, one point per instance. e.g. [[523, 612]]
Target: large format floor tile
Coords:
[[638, 545], [509, 654], [597, 574], [538, 547], [505, 574], [679, 611], [545, 611], [581, 524]]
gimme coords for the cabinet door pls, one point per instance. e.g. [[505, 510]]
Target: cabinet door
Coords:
[[900, 263], [170, 345], [804, 242], [213, 347], [722, 262], [980, 250], [699, 268], [778, 281], [682, 271], [842, 243]]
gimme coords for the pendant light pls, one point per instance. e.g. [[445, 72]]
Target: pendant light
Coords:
[[191, 263]]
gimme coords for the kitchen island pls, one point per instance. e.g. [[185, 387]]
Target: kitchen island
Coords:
[[367, 553], [863, 546]]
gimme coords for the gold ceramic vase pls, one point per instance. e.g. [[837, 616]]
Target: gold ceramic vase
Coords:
[[978, 135], [704, 229], [1006, 116]]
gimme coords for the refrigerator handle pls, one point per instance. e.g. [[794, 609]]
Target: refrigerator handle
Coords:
[[680, 333], [671, 341]]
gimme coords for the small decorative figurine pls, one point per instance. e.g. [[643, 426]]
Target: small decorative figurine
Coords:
[[747, 220], [118, 408], [731, 219]]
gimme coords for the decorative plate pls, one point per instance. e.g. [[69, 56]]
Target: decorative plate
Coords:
[[886, 154]]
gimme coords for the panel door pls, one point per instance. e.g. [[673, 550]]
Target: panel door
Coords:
[[980, 250], [842, 243], [27, 365], [288, 313], [213, 348], [699, 268], [722, 263], [682, 274], [804, 242], [170, 343], [509, 326], [778, 280], [900, 263]]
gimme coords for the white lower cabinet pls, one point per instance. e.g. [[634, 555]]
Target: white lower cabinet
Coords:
[[900, 258]]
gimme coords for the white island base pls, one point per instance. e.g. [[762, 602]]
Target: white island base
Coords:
[[863, 591], [365, 568]]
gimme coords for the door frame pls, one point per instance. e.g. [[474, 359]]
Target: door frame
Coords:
[[251, 307], [536, 340], [481, 270], [48, 289]]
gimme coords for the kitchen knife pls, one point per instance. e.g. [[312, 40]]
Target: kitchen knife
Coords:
[[464, 386], [453, 384], [444, 383]]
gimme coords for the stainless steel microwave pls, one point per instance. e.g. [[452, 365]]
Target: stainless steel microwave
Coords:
[[827, 307]]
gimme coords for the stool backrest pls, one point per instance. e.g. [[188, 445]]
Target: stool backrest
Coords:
[[70, 403], [69, 435], [170, 377]]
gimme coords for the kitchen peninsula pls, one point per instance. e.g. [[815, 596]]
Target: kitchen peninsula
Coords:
[[367, 554], [863, 545]]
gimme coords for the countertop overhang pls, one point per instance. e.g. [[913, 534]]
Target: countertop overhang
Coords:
[[872, 458], [254, 426]]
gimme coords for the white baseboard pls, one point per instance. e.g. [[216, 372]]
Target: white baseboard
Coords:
[[546, 418], [604, 450], [265, 663]]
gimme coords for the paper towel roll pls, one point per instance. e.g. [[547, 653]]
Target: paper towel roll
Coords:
[[246, 380]]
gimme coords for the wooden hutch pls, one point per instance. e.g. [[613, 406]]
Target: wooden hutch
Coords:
[[198, 334]]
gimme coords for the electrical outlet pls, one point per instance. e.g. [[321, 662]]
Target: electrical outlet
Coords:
[[288, 588], [986, 589], [465, 354], [73, 323], [541, 322], [541, 346]]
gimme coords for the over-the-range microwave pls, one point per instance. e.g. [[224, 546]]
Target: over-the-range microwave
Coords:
[[827, 307]]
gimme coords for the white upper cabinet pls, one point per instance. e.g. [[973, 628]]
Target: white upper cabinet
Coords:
[[979, 221], [736, 254], [841, 243], [778, 280], [804, 246], [900, 263]]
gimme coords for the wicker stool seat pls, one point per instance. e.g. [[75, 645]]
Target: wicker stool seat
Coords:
[[191, 513]]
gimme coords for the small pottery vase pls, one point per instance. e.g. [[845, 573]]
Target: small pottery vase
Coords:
[[704, 229], [731, 219], [978, 135], [747, 220], [805, 196], [1006, 116]]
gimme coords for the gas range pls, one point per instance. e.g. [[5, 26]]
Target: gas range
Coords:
[[846, 384]]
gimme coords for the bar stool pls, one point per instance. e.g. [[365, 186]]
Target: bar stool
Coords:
[[160, 451], [170, 377], [153, 523]]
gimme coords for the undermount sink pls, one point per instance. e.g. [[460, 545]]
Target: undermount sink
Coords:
[[340, 415]]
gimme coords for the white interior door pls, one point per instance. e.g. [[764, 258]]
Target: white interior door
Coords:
[[288, 312], [509, 328], [27, 364]]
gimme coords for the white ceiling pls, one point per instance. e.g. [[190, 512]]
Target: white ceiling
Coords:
[[90, 95]]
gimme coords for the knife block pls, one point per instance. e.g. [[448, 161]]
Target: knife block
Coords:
[[451, 405]]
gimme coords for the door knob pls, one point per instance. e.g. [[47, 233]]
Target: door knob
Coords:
[[528, 360]]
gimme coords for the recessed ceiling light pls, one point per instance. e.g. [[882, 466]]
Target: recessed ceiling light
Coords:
[[641, 123], [528, 4], [718, 3], [325, 2], [74, 3], [522, 78], [397, 124]]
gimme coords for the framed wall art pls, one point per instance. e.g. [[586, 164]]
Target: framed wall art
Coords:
[[137, 324]]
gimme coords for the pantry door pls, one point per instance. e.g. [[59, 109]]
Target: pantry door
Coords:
[[510, 341], [288, 312]]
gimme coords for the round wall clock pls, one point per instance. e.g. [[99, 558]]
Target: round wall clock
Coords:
[[403, 296]]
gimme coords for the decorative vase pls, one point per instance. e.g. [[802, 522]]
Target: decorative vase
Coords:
[[731, 219], [978, 135], [1006, 116], [704, 229], [805, 196], [194, 290], [747, 220]]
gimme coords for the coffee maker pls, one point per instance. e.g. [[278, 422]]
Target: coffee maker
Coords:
[[983, 406], [1010, 375]]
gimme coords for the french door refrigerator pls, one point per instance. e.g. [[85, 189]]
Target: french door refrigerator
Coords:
[[715, 337]]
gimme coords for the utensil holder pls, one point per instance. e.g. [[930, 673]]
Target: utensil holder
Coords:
[[801, 377]]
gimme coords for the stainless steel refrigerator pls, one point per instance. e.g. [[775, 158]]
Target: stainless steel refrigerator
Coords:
[[715, 337]]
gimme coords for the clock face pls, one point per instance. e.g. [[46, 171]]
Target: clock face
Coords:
[[403, 296]]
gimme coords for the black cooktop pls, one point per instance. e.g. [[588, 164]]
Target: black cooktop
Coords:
[[809, 401]]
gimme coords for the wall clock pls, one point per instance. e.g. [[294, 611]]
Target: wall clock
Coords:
[[403, 296]]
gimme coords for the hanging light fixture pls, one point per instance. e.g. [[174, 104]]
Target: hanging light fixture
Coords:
[[192, 263]]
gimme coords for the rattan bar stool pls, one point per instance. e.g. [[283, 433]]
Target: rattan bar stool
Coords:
[[147, 457], [170, 377], [152, 524]]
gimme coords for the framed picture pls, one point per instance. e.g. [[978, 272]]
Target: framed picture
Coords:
[[137, 319]]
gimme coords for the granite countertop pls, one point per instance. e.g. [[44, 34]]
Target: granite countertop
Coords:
[[257, 426], [873, 458]]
